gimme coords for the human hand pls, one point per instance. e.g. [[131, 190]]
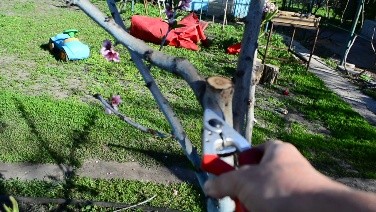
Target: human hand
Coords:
[[283, 179]]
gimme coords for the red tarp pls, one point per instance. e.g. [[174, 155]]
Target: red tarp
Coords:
[[234, 49], [153, 29]]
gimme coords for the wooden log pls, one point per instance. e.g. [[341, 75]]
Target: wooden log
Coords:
[[258, 69], [218, 96], [269, 75]]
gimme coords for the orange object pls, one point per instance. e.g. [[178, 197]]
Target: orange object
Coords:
[[234, 49]]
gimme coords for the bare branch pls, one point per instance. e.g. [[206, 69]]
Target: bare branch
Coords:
[[250, 116], [128, 120], [243, 75], [179, 66], [162, 102]]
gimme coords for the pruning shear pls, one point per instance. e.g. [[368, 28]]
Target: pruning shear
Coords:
[[219, 141]]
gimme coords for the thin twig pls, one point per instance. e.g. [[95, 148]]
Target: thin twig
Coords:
[[138, 204], [164, 38], [42, 200], [128, 120], [168, 31]]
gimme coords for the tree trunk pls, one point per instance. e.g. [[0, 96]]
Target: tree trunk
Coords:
[[243, 75], [256, 75], [269, 74]]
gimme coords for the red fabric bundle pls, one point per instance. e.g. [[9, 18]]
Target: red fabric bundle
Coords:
[[153, 29], [234, 49]]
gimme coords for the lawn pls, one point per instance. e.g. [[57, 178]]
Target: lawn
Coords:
[[48, 114]]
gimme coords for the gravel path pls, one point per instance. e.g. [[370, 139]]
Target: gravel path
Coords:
[[364, 105]]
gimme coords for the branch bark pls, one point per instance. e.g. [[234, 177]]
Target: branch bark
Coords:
[[162, 102], [250, 118], [243, 75], [216, 93]]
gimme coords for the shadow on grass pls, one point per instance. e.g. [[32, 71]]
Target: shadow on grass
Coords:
[[4, 198], [68, 163], [342, 121], [176, 164], [3, 189], [54, 52]]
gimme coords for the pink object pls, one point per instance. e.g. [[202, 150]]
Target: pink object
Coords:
[[108, 52], [116, 100]]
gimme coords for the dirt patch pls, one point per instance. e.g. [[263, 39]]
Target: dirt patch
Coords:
[[272, 100], [19, 75], [98, 169]]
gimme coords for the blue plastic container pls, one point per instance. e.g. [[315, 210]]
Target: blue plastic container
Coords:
[[197, 5], [241, 8]]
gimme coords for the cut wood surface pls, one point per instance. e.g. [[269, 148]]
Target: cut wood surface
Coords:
[[218, 96]]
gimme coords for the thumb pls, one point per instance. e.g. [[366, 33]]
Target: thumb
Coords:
[[228, 184]]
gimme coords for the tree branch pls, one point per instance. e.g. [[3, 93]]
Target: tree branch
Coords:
[[179, 66], [128, 120], [162, 102], [250, 116], [243, 75]]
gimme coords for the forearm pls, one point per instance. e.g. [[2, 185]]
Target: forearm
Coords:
[[336, 199]]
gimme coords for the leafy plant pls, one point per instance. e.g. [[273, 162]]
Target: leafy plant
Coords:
[[13, 207], [365, 77]]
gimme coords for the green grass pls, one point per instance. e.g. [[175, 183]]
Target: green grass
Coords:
[[181, 196], [48, 114], [351, 138]]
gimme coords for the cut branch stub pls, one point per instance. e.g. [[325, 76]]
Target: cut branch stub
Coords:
[[218, 96], [269, 74]]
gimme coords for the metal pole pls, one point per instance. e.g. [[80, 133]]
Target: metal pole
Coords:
[[313, 47], [292, 38], [310, 7], [267, 44], [352, 32]]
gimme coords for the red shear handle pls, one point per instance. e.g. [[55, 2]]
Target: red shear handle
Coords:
[[250, 156], [239, 207], [214, 165]]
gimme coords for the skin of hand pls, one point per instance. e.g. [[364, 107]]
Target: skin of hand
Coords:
[[285, 181]]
